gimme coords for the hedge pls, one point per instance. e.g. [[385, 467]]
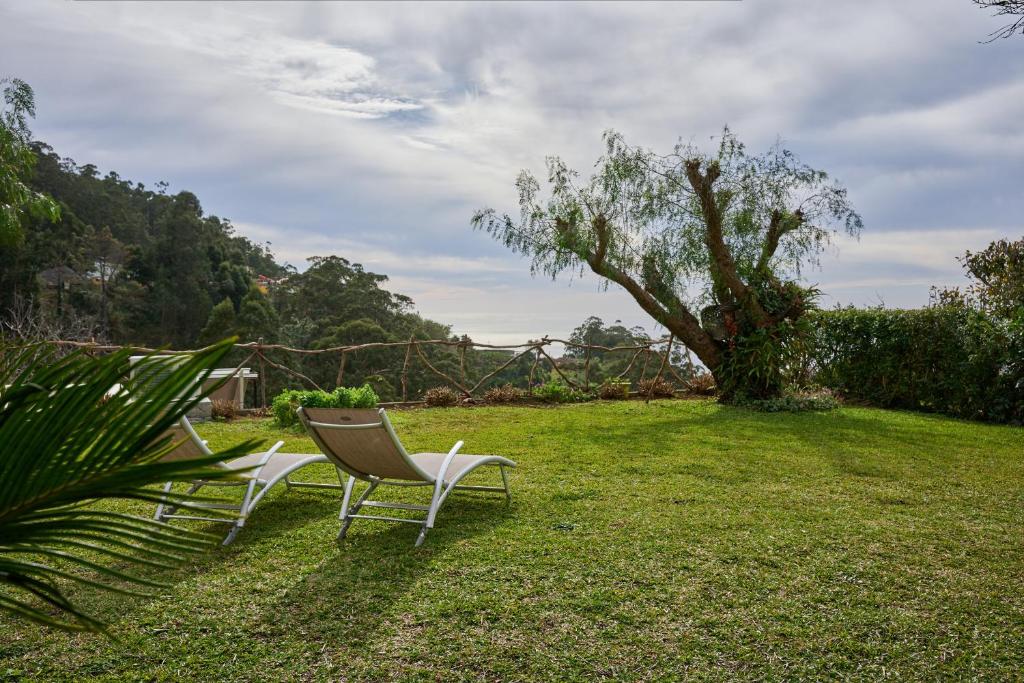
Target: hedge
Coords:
[[946, 359]]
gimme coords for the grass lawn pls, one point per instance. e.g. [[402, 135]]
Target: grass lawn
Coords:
[[676, 540]]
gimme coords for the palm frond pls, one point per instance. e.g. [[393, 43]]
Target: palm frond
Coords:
[[69, 439]]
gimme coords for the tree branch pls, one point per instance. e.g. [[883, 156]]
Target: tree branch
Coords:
[[671, 313], [722, 263]]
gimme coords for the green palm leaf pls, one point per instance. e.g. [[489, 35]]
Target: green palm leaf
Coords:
[[68, 441]]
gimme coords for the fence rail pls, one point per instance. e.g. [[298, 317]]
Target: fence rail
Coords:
[[646, 350]]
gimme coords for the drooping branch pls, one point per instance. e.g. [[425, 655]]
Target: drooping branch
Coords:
[[1012, 8]]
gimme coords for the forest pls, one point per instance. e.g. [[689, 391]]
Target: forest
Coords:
[[124, 263]]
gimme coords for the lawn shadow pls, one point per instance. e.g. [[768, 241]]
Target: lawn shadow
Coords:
[[274, 518], [357, 592]]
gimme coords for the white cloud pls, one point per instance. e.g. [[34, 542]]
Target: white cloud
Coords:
[[373, 131]]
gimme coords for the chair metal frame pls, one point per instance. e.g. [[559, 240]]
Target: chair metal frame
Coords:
[[256, 487], [442, 485]]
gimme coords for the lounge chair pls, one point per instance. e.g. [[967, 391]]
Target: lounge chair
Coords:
[[364, 444], [259, 472]]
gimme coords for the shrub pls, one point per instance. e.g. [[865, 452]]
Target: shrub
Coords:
[[612, 390], [656, 387], [556, 392], [223, 409], [287, 402], [795, 402], [949, 359], [702, 384], [504, 394], [441, 397]]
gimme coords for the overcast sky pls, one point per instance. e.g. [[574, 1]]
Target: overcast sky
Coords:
[[374, 131]]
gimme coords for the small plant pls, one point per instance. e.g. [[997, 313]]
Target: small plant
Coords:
[[504, 394], [702, 384], [441, 397], [614, 390], [795, 402], [223, 409], [287, 402], [556, 392], [655, 387]]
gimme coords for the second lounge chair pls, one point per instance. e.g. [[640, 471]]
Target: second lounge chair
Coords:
[[363, 444], [258, 473]]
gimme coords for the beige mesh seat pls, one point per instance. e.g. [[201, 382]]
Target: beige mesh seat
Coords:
[[258, 472], [363, 444]]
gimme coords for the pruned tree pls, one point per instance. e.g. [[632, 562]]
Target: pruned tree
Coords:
[[1005, 8], [710, 245]]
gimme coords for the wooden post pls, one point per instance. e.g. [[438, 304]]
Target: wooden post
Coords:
[[462, 362], [263, 374], [533, 367], [405, 370], [647, 357], [664, 361], [586, 371], [341, 371]]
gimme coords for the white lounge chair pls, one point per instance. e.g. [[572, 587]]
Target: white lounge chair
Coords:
[[259, 472], [363, 444]]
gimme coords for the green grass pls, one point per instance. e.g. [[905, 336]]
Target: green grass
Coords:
[[676, 540]]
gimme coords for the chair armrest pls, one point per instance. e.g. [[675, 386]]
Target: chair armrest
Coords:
[[266, 458], [448, 461]]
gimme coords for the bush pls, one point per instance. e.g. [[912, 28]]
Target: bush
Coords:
[[441, 397], [504, 394], [287, 402], [223, 409], [948, 359], [556, 392], [702, 384], [613, 390], [797, 402], [656, 387]]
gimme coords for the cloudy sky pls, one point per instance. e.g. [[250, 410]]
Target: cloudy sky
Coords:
[[374, 131]]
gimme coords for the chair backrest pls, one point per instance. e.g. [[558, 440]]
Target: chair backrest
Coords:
[[189, 445], [361, 442]]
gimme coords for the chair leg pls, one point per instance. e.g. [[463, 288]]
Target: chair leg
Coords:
[[422, 536], [171, 509], [347, 514], [504, 480], [160, 507], [235, 528], [243, 513], [435, 504], [349, 485]]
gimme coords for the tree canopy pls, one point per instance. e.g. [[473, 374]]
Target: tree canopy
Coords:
[[710, 245]]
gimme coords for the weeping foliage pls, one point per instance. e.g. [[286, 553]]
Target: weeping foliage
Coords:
[[67, 441], [712, 246], [653, 225]]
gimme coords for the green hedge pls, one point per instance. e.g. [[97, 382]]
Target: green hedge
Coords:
[[287, 402], [947, 359]]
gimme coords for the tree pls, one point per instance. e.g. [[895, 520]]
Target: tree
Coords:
[[257, 318], [221, 323], [17, 200], [107, 255], [710, 246], [998, 273], [1005, 8]]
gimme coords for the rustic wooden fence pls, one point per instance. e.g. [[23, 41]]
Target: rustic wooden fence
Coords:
[[646, 352]]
